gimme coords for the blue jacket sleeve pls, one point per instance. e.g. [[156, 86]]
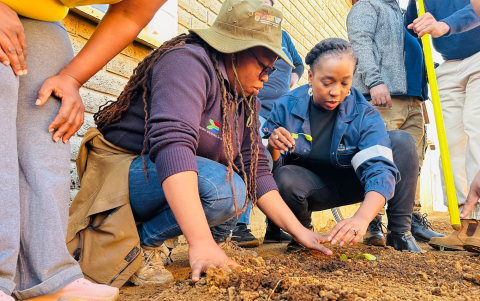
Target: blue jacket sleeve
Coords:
[[296, 58], [373, 163], [462, 20], [410, 15], [274, 121]]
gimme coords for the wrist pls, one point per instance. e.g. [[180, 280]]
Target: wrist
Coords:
[[70, 78], [444, 27]]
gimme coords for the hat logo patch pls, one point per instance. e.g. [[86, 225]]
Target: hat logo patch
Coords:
[[268, 19]]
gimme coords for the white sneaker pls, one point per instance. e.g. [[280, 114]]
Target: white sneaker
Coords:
[[152, 270], [5, 297]]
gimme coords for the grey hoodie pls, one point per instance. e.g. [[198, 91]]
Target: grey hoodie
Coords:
[[375, 30]]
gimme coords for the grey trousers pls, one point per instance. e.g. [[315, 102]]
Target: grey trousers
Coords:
[[34, 173]]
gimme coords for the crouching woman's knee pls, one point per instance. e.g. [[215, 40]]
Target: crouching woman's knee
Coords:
[[217, 198], [404, 151]]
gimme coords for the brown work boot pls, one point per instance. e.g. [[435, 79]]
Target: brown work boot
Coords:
[[152, 270], [455, 241], [472, 243]]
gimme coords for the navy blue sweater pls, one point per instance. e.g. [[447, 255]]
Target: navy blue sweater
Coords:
[[279, 82], [463, 39]]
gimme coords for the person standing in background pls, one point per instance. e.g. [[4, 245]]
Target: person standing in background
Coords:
[[278, 84], [390, 75], [455, 29], [34, 164]]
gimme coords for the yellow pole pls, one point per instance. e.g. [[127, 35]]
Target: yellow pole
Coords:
[[444, 154]]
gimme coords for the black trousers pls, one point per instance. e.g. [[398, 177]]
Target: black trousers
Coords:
[[305, 191]]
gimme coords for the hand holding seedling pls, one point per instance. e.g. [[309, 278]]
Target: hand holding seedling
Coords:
[[281, 139]]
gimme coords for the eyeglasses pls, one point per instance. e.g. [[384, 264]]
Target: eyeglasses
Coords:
[[267, 70]]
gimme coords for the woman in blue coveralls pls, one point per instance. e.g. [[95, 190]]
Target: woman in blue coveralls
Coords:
[[337, 152]]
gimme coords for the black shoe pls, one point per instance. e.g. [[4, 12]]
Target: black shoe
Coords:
[[276, 237], [374, 235], [244, 237], [402, 241], [422, 229], [294, 246]]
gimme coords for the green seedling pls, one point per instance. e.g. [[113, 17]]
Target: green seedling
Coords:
[[308, 137], [344, 257], [442, 249], [367, 256]]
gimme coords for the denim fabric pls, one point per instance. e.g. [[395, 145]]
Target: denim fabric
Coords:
[[150, 207], [309, 192]]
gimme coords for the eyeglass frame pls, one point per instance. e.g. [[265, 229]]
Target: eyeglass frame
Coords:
[[267, 70]]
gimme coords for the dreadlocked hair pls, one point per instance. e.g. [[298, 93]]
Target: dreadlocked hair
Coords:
[[112, 111], [329, 48]]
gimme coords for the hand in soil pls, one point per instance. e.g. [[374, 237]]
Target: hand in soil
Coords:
[[312, 240], [343, 232], [203, 257]]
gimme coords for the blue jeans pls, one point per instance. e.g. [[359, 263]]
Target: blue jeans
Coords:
[[150, 207]]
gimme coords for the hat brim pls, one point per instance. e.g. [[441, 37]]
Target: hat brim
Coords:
[[226, 44]]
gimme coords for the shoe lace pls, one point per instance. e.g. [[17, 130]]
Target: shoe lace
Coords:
[[377, 225], [425, 223], [154, 257]]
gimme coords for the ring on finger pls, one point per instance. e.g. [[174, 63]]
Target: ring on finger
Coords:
[[275, 137], [354, 231]]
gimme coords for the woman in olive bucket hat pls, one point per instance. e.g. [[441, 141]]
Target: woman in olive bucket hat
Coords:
[[190, 113]]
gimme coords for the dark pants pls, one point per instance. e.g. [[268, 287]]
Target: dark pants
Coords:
[[304, 191]]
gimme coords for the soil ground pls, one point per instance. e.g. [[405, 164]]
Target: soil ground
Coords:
[[310, 275]]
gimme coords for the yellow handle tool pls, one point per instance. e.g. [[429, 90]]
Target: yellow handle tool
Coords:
[[442, 139]]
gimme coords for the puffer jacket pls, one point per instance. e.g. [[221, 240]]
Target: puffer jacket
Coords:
[[360, 139]]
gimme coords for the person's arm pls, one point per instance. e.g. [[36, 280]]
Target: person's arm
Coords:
[[462, 20], [297, 61], [118, 28], [181, 192], [13, 44], [361, 28], [376, 171], [278, 212], [172, 140], [473, 196]]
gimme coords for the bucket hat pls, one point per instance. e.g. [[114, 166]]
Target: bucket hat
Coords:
[[243, 24]]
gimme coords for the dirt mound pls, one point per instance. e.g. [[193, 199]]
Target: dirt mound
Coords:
[[310, 275]]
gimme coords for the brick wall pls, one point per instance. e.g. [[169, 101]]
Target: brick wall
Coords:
[[307, 21]]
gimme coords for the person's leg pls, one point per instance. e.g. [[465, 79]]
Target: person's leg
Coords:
[[44, 265], [453, 78], [150, 206], [471, 114], [9, 187], [452, 96], [400, 206], [394, 119]]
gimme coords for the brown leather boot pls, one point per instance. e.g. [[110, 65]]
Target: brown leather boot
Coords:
[[472, 243], [455, 241]]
